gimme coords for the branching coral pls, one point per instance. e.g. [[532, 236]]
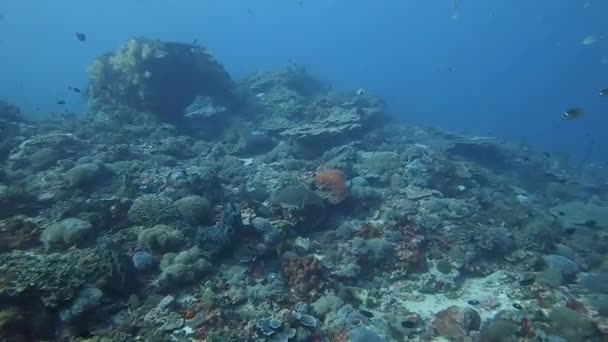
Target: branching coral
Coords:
[[334, 182]]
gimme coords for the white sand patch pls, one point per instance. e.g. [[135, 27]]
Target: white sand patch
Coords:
[[493, 293]]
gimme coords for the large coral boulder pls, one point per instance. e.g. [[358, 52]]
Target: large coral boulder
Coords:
[[156, 77]]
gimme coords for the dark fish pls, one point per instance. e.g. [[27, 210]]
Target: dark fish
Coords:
[[74, 89], [588, 224], [569, 231], [604, 92], [473, 302], [81, 36], [573, 113], [526, 282], [408, 324], [61, 102], [367, 314], [517, 306]]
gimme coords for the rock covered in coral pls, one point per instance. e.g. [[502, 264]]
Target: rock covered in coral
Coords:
[[85, 175], [55, 279], [65, 233], [143, 261], [571, 325], [566, 267], [161, 78], [182, 268], [224, 233], [86, 300], [193, 209], [302, 109], [64, 145], [456, 322], [9, 112], [149, 210], [303, 206], [594, 282], [271, 235], [18, 232], [15, 200], [161, 238], [11, 126], [304, 274]]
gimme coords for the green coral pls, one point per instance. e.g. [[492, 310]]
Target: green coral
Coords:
[[183, 268], [570, 324], [194, 209], [161, 239], [150, 210]]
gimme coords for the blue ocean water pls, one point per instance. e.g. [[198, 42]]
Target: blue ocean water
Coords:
[[502, 68]]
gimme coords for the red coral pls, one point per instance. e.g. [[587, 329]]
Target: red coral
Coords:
[[333, 181]]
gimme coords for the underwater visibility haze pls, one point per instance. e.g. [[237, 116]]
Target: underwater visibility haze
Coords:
[[481, 67], [303, 170]]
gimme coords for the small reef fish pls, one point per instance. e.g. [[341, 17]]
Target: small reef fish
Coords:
[[591, 39], [360, 91], [61, 102], [604, 92], [74, 89], [573, 113], [81, 36]]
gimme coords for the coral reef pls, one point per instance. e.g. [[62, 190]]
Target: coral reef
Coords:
[[160, 78], [183, 209]]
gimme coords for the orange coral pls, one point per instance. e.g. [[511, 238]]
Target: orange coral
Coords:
[[333, 181]]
